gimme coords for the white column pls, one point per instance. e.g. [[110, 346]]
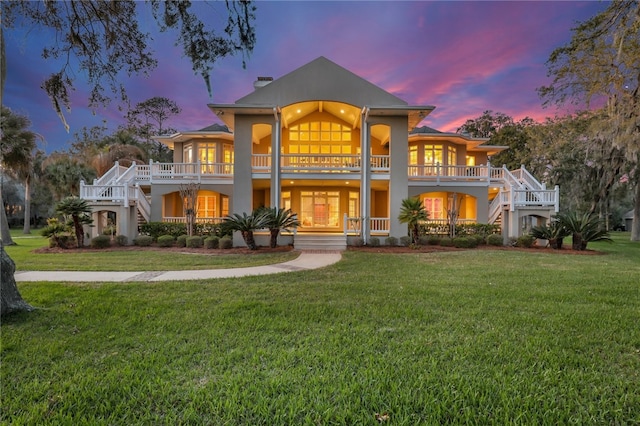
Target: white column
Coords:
[[365, 179], [276, 148]]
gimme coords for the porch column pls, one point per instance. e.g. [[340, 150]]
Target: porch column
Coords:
[[242, 201], [276, 148], [398, 174], [365, 179]]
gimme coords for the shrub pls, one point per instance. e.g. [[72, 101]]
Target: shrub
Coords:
[[357, 242], [121, 240], [165, 240], [226, 243], [194, 241], [465, 242], [479, 239], [100, 242], [405, 241], [423, 240], [391, 241], [156, 229], [525, 241], [181, 241], [143, 241], [446, 242], [495, 240], [433, 240], [212, 242], [374, 242]]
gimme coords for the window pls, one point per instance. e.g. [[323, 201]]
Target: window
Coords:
[[354, 204], [319, 137], [434, 207], [285, 200], [452, 156], [207, 156], [413, 160], [206, 206], [320, 209], [432, 155], [225, 205], [187, 154], [227, 158]]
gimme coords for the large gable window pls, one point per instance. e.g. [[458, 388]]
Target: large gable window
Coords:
[[319, 137]]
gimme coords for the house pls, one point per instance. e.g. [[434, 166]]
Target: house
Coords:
[[339, 151]]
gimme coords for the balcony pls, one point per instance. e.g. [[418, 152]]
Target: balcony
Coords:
[[320, 163]]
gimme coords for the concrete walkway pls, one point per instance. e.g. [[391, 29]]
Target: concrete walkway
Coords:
[[306, 261]]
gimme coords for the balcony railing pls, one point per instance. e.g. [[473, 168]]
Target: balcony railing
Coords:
[[183, 219]]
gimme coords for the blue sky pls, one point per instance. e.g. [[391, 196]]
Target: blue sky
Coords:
[[463, 57]]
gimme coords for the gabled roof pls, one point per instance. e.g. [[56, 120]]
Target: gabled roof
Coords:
[[321, 79], [325, 81]]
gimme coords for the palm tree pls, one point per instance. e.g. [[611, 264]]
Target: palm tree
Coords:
[[583, 228], [279, 219], [246, 224], [79, 211], [63, 174], [411, 213], [17, 158]]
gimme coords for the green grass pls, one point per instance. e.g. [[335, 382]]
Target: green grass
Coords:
[[141, 260], [466, 337]]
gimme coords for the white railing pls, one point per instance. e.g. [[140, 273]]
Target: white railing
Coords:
[[190, 171], [144, 206], [497, 204], [111, 175], [115, 193], [261, 163], [127, 175], [183, 219], [143, 173], [320, 163], [380, 163], [525, 197], [439, 172], [527, 179], [377, 225]]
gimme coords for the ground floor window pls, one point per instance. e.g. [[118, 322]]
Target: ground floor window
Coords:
[[320, 208], [206, 206], [434, 207]]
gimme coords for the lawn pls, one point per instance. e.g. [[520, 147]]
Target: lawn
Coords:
[[466, 337], [143, 260]]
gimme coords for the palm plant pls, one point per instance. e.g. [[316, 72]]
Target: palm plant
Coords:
[[554, 232], [411, 213], [79, 211], [278, 219], [583, 228], [246, 224]]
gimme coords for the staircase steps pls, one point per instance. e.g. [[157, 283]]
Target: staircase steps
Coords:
[[320, 242]]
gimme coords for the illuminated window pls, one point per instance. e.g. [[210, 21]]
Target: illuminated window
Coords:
[[319, 137], [206, 206], [225, 205], [207, 156], [227, 158], [432, 155], [320, 209], [452, 156], [187, 154], [354, 204], [285, 200], [434, 207]]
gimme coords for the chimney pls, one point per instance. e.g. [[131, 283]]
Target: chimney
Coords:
[[261, 82]]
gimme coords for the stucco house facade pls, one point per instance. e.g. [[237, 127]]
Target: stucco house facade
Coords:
[[339, 151]]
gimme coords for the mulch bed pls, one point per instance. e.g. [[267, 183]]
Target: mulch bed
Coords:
[[261, 250]]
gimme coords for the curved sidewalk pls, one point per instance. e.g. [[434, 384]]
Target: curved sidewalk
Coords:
[[306, 261]]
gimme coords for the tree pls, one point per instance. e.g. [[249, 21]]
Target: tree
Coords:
[[411, 213], [246, 224], [78, 210], [278, 219], [189, 196], [102, 38], [147, 119], [17, 154], [600, 64], [63, 173]]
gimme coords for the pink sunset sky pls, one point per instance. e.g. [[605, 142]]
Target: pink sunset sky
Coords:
[[463, 57]]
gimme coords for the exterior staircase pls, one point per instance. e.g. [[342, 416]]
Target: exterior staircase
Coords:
[[320, 242]]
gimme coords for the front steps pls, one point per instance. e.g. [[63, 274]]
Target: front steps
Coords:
[[320, 242]]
